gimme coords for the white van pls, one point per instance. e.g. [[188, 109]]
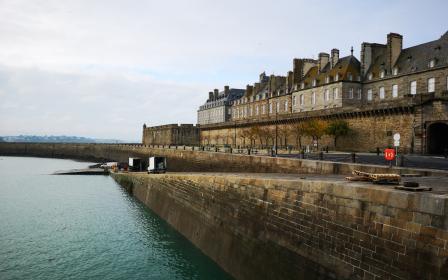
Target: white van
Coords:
[[157, 165]]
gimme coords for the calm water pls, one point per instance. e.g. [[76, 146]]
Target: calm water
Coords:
[[85, 227]]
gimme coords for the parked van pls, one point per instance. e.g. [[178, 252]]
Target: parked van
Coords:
[[157, 165]]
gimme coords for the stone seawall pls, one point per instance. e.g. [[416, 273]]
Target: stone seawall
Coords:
[[187, 160], [261, 227]]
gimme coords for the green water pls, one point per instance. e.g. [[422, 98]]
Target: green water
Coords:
[[85, 227]]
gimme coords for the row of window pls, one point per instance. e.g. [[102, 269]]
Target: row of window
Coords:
[[259, 109], [383, 73]]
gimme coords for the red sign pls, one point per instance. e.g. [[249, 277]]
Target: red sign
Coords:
[[389, 154]]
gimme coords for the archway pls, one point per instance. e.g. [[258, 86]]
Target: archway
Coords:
[[437, 138]]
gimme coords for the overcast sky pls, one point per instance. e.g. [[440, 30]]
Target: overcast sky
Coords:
[[103, 68]]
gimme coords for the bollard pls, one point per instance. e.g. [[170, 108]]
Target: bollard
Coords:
[[231, 150], [216, 149], [321, 155], [326, 149], [353, 155], [401, 161], [302, 154], [377, 151], [248, 151]]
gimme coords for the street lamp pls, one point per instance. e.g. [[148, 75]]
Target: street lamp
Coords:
[[276, 130]]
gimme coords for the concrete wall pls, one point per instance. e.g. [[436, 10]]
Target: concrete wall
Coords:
[[261, 228]]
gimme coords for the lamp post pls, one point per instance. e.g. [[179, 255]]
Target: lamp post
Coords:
[[276, 130], [234, 134]]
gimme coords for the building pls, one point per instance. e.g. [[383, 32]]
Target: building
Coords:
[[171, 134], [390, 90], [217, 108]]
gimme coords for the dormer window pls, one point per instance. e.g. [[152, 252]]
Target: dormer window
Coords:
[[370, 76], [302, 85], [432, 63], [350, 76], [395, 71], [314, 83], [327, 79], [382, 74], [336, 78]]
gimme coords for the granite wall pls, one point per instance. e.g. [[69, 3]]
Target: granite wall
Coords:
[[262, 228]]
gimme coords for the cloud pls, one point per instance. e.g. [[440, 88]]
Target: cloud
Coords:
[[103, 67], [43, 102]]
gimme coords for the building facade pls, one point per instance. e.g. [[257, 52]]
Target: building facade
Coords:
[[390, 90], [171, 134], [217, 108]]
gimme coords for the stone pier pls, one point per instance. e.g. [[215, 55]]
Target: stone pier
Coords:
[[266, 226]]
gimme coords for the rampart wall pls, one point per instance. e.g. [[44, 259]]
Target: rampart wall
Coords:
[[265, 228], [194, 160]]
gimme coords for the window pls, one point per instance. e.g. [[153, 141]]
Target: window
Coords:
[[270, 108], [302, 85], [286, 106], [327, 79], [327, 94], [335, 93], [382, 93], [256, 110], [431, 84], [395, 71], [263, 109], [336, 78], [294, 101], [359, 93], [446, 82], [432, 63], [369, 95], [313, 98], [395, 91], [382, 73], [413, 89], [370, 76], [278, 107], [314, 83], [250, 111], [350, 93], [301, 99], [350, 76]]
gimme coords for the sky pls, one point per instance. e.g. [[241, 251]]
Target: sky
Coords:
[[102, 68]]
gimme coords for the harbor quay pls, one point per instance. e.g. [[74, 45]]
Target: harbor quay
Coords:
[[304, 221]]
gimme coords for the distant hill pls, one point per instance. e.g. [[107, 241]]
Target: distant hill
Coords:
[[55, 139]]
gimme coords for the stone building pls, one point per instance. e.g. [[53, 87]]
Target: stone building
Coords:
[[217, 108], [334, 82], [264, 99], [390, 90], [171, 134]]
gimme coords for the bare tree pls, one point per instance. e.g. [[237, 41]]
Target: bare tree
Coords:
[[298, 131], [283, 133]]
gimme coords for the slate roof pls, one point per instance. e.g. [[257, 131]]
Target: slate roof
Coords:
[[344, 66], [411, 59]]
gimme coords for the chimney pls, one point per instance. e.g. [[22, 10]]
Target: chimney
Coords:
[[262, 77], [249, 90], [324, 58], [366, 57], [226, 90], [297, 70], [394, 46], [272, 84], [216, 93], [334, 57], [210, 95], [289, 80]]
